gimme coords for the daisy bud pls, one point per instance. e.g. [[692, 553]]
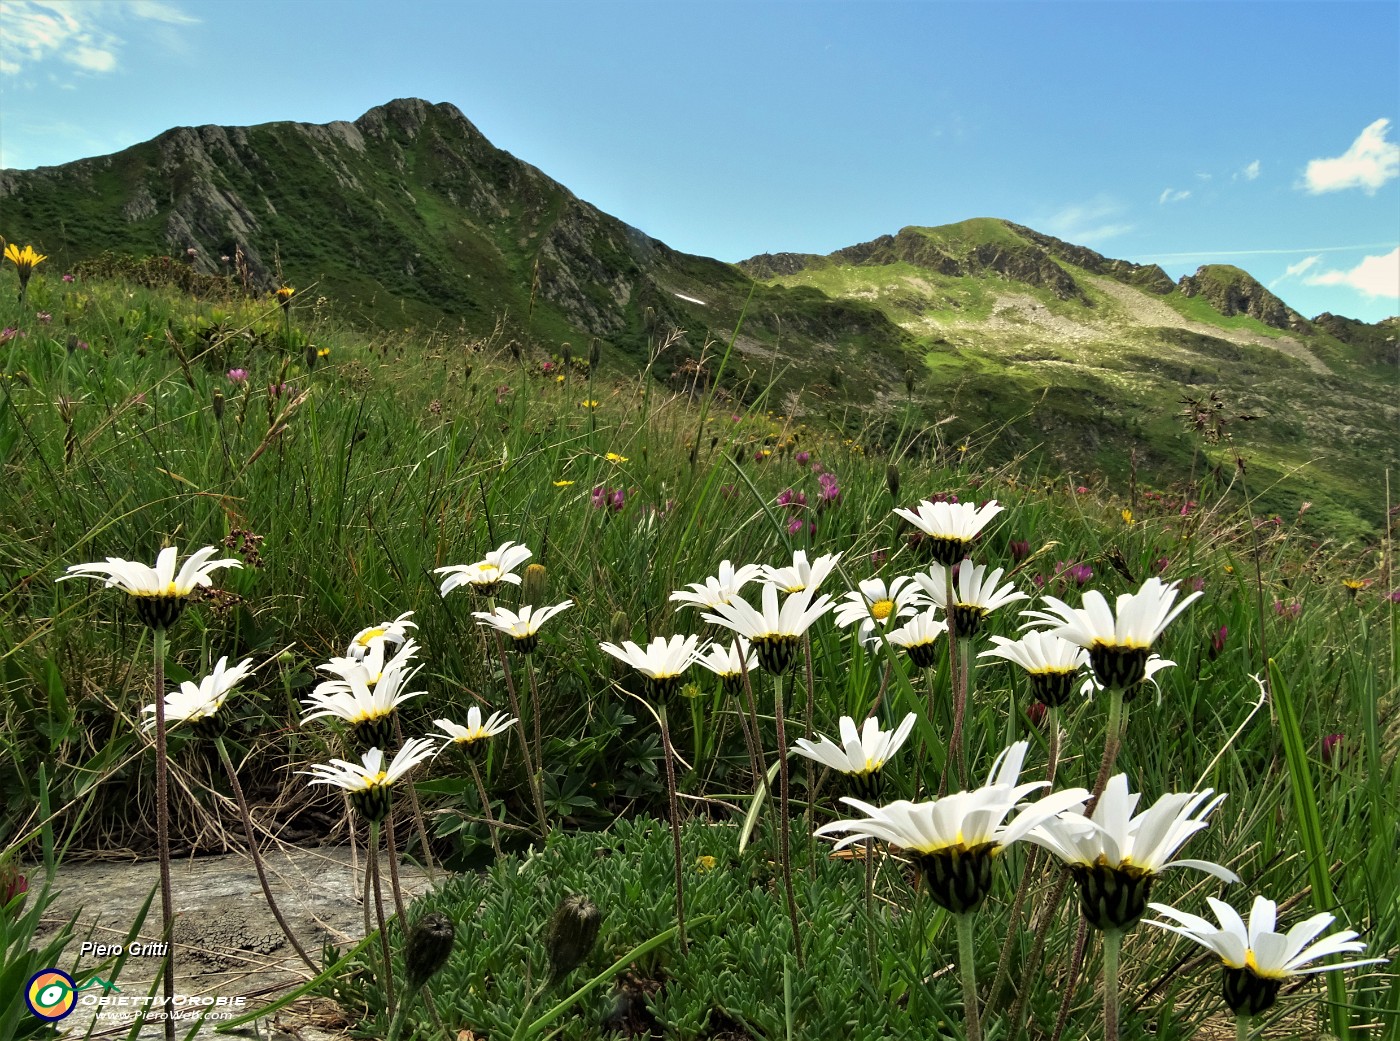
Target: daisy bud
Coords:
[[534, 586], [218, 404], [594, 354], [892, 480], [909, 380], [566, 351], [429, 944], [621, 626], [572, 933]]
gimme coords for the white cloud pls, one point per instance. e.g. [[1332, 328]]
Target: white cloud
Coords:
[[1374, 276], [94, 59], [1173, 195], [1368, 163], [1294, 270], [82, 35], [1251, 172], [1088, 223]]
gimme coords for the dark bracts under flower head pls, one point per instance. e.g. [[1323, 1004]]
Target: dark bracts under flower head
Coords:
[[371, 803], [1248, 994], [958, 879], [1111, 897], [1121, 667], [375, 732], [1053, 689], [777, 654], [158, 612]]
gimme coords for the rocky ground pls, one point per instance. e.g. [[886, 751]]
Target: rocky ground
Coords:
[[227, 942]]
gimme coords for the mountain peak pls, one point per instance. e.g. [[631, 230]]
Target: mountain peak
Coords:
[[1231, 291]]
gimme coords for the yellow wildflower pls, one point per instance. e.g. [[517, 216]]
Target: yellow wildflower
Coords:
[[1127, 516], [705, 863], [562, 484], [613, 457]]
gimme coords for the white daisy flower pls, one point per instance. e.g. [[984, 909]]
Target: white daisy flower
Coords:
[[862, 754], [369, 780], [1118, 640], [485, 576], [801, 576], [200, 702], [729, 661], [522, 626], [1052, 663], [1256, 958], [475, 730], [950, 527], [159, 593], [876, 606], [368, 709], [1114, 856], [662, 663], [954, 839], [395, 633], [975, 594], [919, 638], [718, 589], [773, 631]]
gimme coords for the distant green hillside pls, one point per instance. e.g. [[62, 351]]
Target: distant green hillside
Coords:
[[1055, 351]]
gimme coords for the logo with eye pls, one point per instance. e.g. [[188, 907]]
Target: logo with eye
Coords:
[[51, 994]]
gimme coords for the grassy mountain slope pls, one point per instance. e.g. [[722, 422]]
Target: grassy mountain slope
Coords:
[[1085, 362], [410, 217]]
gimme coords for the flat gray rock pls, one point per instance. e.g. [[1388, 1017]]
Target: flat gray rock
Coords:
[[227, 943]]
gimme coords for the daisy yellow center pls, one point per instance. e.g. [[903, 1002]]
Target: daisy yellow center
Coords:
[[172, 590], [372, 634], [368, 715], [881, 609], [795, 588], [375, 780]]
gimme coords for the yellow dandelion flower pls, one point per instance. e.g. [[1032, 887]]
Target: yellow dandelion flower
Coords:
[[705, 863], [589, 403], [613, 457], [1127, 516], [562, 484], [324, 352]]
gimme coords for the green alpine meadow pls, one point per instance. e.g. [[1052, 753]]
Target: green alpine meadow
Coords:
[[963, 635]]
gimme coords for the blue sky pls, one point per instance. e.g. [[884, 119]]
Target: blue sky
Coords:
[[1259, 133]]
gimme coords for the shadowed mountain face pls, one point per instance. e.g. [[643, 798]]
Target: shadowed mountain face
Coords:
[[1015, 343]]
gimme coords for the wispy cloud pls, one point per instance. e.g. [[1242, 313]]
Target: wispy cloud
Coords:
[[1294, 270], [1173, 195], [1088, 223], [83, 36], [1367, 164], [1250, 172], [1200, 253], [1374, 276]]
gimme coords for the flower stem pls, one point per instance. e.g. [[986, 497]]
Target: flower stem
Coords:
[[393, 847], [1003, 976], [784, 825], [752, 706], [967, 968], [417, 812], [535, 709], [485, 803], [257, 857], [667, 753], [1112, 742], [870, 904], [1112, 944], [379, 916], [1242, 1030], [535, 793], [167, 901]]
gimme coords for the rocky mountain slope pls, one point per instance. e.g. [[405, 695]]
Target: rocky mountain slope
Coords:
[[1016, 344]]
